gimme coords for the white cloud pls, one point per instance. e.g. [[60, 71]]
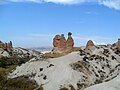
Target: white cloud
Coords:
[[53, 1], [98, 40], [115, 4], [112, 4], [99, 43]]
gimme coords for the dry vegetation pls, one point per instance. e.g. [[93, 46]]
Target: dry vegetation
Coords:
[[19, 83], [64, 88], [52, 55], [23, 82], [70, 88]]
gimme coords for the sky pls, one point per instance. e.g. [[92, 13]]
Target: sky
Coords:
[[34, 23]]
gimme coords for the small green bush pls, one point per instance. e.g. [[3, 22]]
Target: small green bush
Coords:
[[2, 64]]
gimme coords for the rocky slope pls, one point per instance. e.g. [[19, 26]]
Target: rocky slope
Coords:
[[113, 84], [17, 56], [77, 70]]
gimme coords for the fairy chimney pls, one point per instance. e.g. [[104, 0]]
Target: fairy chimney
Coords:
[[5, 45], [89, 44], [1, 44], [62, 43], [70, 42], [10, 45], [56, 42], [118, 45], [59, 43]]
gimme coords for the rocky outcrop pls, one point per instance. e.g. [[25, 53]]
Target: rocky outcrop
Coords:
[[89, 44], [89, 47], [70, 41], [118, 45], [56, 41], [6, 45], [10, 44], [60, 44], [1, 44], [85, 69]]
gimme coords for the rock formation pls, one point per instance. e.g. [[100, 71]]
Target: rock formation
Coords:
[[70, 41], [6, 45], [1, 44], [10, 45], [78, 70], [60, 44], [56, 41], [118, 46], [89, 44]]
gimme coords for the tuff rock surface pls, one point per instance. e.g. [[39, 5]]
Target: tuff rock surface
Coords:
[[89, 44], [61, 44], [77, 69], [118, 45]]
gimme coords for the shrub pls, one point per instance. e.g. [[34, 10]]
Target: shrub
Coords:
[[21, 83], [98, 81], [64, 88], [71, 87], [2, 64]]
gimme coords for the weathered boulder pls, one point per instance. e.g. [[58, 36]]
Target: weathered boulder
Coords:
[[56, 41], [70, 42], [1, 44], [60, 44], [6, 45], [89, 44], [10, 45], [118, 45], [90, 47]]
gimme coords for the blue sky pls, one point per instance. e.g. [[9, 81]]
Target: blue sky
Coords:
[[34, 23]]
